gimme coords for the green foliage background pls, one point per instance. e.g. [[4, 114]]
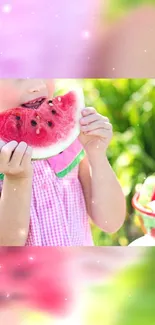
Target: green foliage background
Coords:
[[128, 299], [118, 8], [130, 106]]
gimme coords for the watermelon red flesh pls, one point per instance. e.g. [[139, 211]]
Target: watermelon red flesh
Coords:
[[49, 129], [153, 196], [44, 283], [152, 232]]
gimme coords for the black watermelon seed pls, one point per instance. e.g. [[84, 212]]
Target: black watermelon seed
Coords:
[[13, 249], [17, 118], [50, 101], [53, 111], [50, 123], [12, 296], [21, 273], [17, 296], [3, 296], [33, 123]]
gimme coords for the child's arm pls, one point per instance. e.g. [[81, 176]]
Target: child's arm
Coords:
[[103, 194], [15, 164]]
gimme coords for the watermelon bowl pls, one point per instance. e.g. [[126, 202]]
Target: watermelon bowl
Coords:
[[48, 125], [144, 204]]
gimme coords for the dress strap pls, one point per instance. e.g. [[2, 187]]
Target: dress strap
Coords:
[[67, 160], [1, 177]]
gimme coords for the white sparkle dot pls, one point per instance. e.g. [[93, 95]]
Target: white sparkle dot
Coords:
[[113, 69], [47, 172], [22, 232], [56, 45], [65, 298], [7, 8], [56, 16], [97, 147], [88, 57], [106, 221], [1, 53], [14, 189], [7, 295], [145, 51], [31, 258], [92, 201], [66, 182], [59, 99], [98, 261], [86, 34]]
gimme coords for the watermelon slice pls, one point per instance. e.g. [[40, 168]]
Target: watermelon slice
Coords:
[[49, 127], [38, 279]]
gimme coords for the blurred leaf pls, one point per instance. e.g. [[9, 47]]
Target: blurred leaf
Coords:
[[128, 298]]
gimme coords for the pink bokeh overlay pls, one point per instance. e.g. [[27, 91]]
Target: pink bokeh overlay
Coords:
[[46, 39]]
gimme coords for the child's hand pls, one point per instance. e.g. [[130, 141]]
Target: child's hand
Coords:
[[15, 160], [96, 131]]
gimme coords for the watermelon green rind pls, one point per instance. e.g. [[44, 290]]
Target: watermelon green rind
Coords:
[[1, 177], [72, 165]]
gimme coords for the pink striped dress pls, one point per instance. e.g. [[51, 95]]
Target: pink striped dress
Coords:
[[58, 211]]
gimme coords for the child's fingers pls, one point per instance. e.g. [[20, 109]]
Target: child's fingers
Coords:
[[96, 125], [6, 151], [18, 155], [88, 110], [104, 134], [26, 160], [93, 118], [89, 119]]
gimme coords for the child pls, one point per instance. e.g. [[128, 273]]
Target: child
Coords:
[[59, 206]]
